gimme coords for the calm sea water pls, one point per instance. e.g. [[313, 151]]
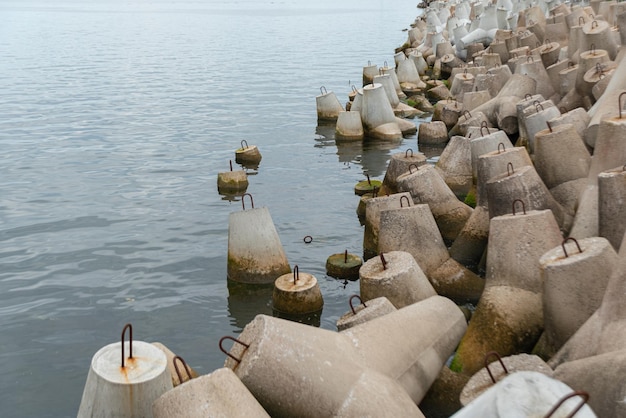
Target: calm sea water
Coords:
[[116, 117]]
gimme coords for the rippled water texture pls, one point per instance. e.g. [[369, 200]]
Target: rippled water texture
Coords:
[[116, 117]]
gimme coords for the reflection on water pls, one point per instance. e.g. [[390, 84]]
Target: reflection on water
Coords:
[[313, 319], [246, 301]]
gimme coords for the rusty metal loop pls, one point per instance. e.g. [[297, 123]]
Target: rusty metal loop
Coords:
[[570, 65], [308, 239], [563, 246], [408, 202], [579, 19], [528, 96], [523, 206], [510, 164], [547, 41], [175, 362], [619, 103], [128, 327], [593, 27], [382, 260], [406, 153], [465, 71], [228, 337], [296, 274], [413, 165], [481, 130], [599, 69], [323, 90], [486, 363], [592, 48], [385, 64], [549, 126], [243, 141], [354, 89], [503, 147], [243, 200], [538, 105], [584, 395], [537, 44], [359, 298], [530, 57], [468, 112]]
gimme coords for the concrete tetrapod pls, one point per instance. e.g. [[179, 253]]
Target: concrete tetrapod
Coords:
[[497, 369], [255, 253], [328, 106], [425, 185], [414, 230], [602, 377], [525, 394], [455, 166], [612, 211], [377, 114], [396, 276], [218, 394], [364, 312], [298, 370], [349, 126], [574, 282], [398, 165], [508, 318], [523, 183], [126, 388], [373, 207]]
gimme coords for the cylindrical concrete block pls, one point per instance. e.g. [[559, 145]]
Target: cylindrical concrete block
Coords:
[[455, 165], [427, 186], [218, 394], [487, 143], [494, 163], [297, 294], [128, 390], [375, 108], [597, 33], [255, 253], [344, 266], [537, 121], [397, 276], [247, 154], [523, 183], [611, 207], [232, 181], [369, 72], [365, 312], [575, 278], [560, 155], [328, 106]]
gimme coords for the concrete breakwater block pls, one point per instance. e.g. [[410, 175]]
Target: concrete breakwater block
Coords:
[[432, 133], [349, 126], [364, 312], [177, 367], [528, 394], [455, 166], [298, 370], [255, 253], [328, 105], [414, 230], [396, 276], [373, 207], [497, 368], [344, 266], [377, 115], [427, 186], [248, 154], [218, 394], [611, 207], [575, 278], [232, 181], [398, 165], [124, 379]]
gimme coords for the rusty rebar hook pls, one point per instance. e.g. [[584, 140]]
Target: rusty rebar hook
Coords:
[[128, 327], [175, 362], [467, 112], [243, 201], [408, 202], [308, 239], [510, 164], [549, 125], [482, 126], [584, 395], [406, 153], [619, 103], [527, 96], [323, 90], [503, 147], [523, 206], [228, 337], [243, 141], [413, 165], [359, 298], [382, 260], [296, 274], [538, 105], [563, 245], [369, 182], [486, 363]]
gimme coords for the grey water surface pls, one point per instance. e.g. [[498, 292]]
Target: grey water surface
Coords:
[[116, 117]]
